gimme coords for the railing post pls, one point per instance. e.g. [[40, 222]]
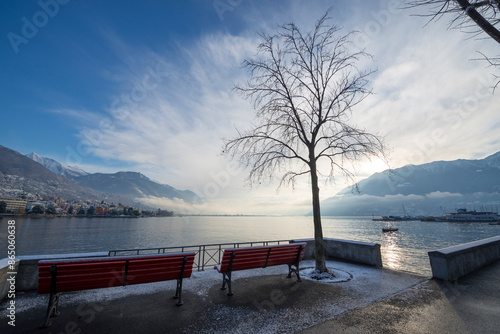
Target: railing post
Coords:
[[203, 262], [199, 257]]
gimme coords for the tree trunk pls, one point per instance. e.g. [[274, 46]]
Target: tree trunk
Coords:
[[479, 19], [319, 246]]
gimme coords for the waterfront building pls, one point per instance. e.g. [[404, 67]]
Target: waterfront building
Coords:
[[15, 205]]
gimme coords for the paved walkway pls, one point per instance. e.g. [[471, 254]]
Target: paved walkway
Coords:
[[264, 301], [470, 305]]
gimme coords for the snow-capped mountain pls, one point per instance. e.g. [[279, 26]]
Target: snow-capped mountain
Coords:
[[19, 174], [459, 176], [56, 167], [131, 184], [426, 187]]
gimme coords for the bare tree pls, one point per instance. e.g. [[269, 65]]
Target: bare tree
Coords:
[[304, 86], [472, 17], [469, 16]]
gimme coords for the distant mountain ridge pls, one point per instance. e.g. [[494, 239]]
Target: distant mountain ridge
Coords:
[[427, 187], [19, 173], [56, 167], [459, 176], [133, 185]]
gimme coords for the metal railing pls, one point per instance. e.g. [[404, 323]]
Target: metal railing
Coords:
[[206, 255]]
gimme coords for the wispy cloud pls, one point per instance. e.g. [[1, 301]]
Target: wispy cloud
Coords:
[[430, 100], [171, 110], [169, 121]]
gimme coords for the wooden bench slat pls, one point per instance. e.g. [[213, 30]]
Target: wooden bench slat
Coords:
[[112, 258], [86, 267], [158, 263], [104, 280], [102, 267], [153, 278], [95, 273], [168, 274], [234, 259], [142, 270], [84, 284], [248, 258]]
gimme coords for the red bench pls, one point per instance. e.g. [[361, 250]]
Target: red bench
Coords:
[[260, 257], [57, 276]]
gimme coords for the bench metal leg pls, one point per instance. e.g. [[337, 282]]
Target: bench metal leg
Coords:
[[178, 292], [296, 264], [226, 278], [295, 271], [53, 298], [51, 309]]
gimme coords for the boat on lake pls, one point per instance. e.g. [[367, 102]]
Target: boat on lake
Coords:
[[406, 217], [465, 216], [396, 218], [389, 229]]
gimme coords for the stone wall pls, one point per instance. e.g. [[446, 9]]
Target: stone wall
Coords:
[[454, 262], [346, 250], [26, 278], [5, 276]]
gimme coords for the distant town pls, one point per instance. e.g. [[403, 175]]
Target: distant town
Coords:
[[34, 205]]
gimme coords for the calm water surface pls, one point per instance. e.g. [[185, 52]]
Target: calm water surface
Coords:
[[403, 250]]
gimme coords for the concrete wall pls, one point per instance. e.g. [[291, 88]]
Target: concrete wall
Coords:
[[4, 275], [27, 270], [454, 262], [346, 250]]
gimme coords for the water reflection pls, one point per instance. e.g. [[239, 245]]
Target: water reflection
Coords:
[[403, 250], [391, 252]]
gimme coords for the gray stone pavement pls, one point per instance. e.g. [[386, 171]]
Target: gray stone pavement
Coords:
[[469, 305], [372, 300]]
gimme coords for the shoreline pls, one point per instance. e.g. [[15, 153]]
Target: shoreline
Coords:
[[66, 216]]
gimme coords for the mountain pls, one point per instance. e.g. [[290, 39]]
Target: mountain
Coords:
[[130, 184], [133, 185], [459, 176], [425, 189], [56, 167], [19, 173]]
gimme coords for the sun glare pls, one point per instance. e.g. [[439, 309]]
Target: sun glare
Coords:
[[376, 165]]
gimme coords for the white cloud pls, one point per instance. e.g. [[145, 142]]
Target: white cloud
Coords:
[[430, 102], [171, 122], [442, 195]]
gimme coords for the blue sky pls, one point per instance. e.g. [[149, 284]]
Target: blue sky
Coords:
[[147, 86]]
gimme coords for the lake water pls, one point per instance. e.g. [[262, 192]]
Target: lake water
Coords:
[[403, 250]]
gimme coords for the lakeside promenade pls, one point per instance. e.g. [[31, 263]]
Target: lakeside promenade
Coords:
[[371, 300]]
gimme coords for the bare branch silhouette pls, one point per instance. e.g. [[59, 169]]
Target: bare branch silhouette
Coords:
[[473, 17], [304, 86], [469, 16]]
